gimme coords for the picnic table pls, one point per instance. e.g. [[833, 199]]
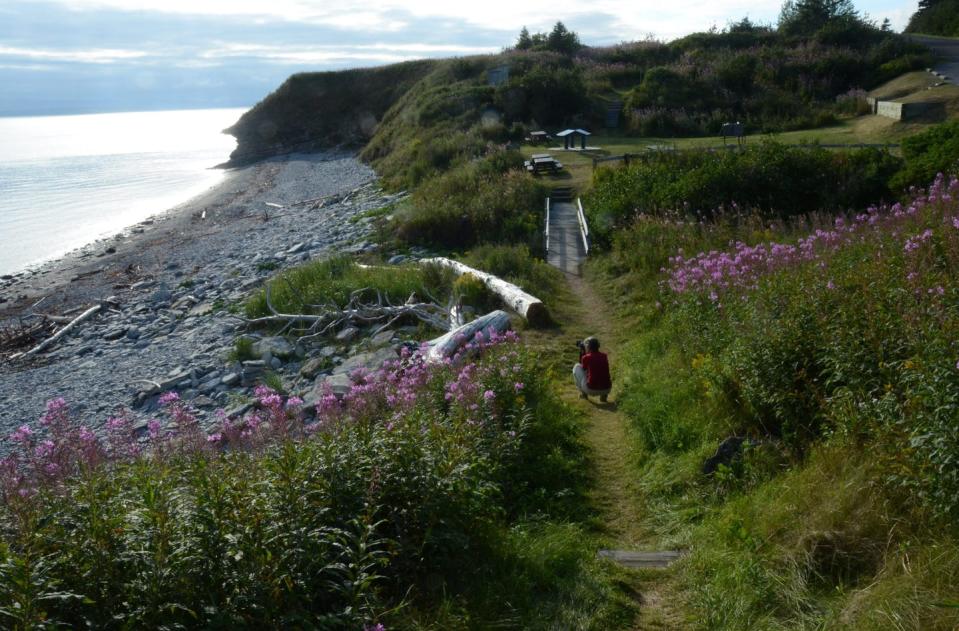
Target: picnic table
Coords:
[[542, 163]]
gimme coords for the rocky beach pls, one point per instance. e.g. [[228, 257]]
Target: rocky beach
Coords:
[[169, 289]]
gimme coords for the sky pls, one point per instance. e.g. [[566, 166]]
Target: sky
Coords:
[[80, 56]]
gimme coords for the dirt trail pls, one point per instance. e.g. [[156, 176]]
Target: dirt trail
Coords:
[[615, 494]]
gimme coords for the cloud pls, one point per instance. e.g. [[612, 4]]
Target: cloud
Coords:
[[378, 53], [624, 19], [91, 56]]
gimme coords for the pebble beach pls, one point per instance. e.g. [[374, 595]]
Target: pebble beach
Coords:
[[167, 285]]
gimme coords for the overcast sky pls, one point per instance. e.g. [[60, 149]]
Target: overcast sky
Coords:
[[71, 56]]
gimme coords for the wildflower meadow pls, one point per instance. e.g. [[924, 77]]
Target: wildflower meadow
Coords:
[[336, 519]]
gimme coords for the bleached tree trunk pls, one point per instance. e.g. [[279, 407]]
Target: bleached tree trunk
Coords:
[[530, 307], [450, 343]]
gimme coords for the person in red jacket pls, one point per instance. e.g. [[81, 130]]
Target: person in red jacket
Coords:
[[591, 374]]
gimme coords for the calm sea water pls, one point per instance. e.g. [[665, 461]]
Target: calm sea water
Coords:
[[68, 180]]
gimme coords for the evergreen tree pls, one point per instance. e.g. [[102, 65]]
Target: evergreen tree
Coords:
[[806, 17], [562, 40], [524, 42]]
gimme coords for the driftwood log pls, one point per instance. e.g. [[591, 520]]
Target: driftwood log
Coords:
[[448, 345], [528, 306], [89, 313]]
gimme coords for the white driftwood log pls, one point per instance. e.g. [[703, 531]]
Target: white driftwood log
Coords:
[[447, 345], [528, 306], [69, 327]]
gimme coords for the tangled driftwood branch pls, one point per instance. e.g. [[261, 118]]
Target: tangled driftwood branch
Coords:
[[361, 309]]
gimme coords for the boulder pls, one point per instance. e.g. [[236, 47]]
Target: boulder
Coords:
[[369, 361], [312, 367], [277, 346], [382, 338]]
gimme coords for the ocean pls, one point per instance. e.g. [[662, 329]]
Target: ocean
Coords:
[[68, 180]]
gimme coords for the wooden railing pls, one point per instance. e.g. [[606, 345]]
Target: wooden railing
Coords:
[[547, 225], [583, 227]]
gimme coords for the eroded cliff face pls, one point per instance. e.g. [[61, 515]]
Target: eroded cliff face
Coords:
[[322, 110]]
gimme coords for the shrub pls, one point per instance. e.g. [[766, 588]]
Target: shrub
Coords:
[[927, 153], [470, 290], [474, 203], [773, 179], [516, 264]]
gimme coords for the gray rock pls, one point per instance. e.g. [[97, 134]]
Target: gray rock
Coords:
[[314, 366], [296, 248], [87, 364], [369, 361], [382, 338], [397, 259], [276, 363], [339, 384], [348, 334], [113, 334], [231, 379], [161, 295], [133, 333], [277, 346], [328, 351], [202, 309], [143, 284]]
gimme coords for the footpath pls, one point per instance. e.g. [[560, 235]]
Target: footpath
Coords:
[[615, 498]]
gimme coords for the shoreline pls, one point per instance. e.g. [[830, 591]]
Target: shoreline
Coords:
[[171, 281], [20, 289]]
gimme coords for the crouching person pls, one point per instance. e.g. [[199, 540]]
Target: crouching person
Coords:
[[591, 374]]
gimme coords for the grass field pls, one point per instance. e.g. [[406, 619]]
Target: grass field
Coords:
[[578, 165]]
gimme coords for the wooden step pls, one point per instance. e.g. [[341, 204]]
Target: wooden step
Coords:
[[641, 559]]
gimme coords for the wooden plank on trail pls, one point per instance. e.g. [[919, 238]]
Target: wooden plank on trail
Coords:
[[638, 559]]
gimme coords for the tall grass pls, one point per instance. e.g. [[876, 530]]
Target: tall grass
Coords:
[[329, 283]]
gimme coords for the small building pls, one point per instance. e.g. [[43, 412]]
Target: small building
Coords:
[[569, 137]]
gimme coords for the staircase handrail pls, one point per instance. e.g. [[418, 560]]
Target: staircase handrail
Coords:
[[583, 227], [547, 225]]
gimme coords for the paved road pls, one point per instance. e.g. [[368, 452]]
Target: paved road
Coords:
[[948, 49], [565, 244]]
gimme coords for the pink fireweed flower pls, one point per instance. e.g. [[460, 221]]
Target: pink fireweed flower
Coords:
[[86, 435], [22, 434], [168, 398], [45, 449], [489, 396], [518, 386], [55, 408]]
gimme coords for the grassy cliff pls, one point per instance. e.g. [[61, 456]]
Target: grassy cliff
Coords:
[[310, 111], [416, 118]]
